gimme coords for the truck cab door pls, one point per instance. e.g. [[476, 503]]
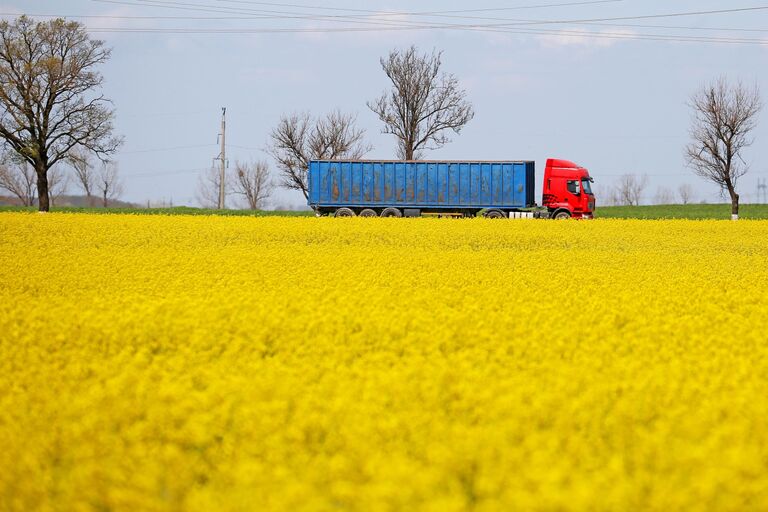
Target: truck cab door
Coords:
[[579, 198], [573, 193]]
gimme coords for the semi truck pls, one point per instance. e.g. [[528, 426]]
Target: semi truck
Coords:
[[495, 189]]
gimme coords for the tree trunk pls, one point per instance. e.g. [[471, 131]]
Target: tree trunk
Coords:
[[734, 201], [42, 187], [105, 197], [408, 150]]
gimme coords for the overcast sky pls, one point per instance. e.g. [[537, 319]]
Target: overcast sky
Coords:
[[615, 103]]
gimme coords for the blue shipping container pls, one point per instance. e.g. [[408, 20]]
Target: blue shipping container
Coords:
[[423, 185]]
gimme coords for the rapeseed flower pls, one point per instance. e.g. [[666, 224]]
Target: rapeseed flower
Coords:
[[221, 363]]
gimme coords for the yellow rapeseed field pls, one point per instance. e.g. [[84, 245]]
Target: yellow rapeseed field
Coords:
[[290, 364]]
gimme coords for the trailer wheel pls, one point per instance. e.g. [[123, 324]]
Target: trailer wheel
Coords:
[[562, 214], [494, 214], [368, 213], [344, 212], [391, 212]]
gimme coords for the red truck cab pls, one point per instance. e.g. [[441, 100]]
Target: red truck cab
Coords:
[[567, 190]]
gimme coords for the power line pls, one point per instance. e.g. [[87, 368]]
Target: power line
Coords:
[[536, 32], [148, 174], [170, 4], [272, 14], [661, 175], [246, 18], [386, 25], [244, 147], [447, 14], [409, 25], [165, 149], [488, 9], [149, 3]]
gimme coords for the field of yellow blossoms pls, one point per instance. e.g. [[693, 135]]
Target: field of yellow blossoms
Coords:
[[288, 364]]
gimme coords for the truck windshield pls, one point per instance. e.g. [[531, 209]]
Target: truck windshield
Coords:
[[586, 187]]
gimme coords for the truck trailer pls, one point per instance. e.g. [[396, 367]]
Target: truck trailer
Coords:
[[496, 189]]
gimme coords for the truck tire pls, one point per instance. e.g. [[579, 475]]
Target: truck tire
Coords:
[[561, 215], [391, 212], [494, 214], [344, 212], [368, 213]]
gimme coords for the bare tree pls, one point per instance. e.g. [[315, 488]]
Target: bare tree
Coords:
[[208, 188], [49, 94], [630, 188], [19, 178], [613, 198], [58, 181], [85, 172], [664, 196], [108, 183], [606, 194], [252, 181], [298, 138], [685, 191], [422, 104], [723, 117]]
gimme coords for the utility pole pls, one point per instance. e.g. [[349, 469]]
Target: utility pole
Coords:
[[223, 156]]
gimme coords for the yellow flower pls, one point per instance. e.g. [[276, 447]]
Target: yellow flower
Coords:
[[225, 363]]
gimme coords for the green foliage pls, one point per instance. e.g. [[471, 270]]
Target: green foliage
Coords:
[[670, 211], [682, 211]]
